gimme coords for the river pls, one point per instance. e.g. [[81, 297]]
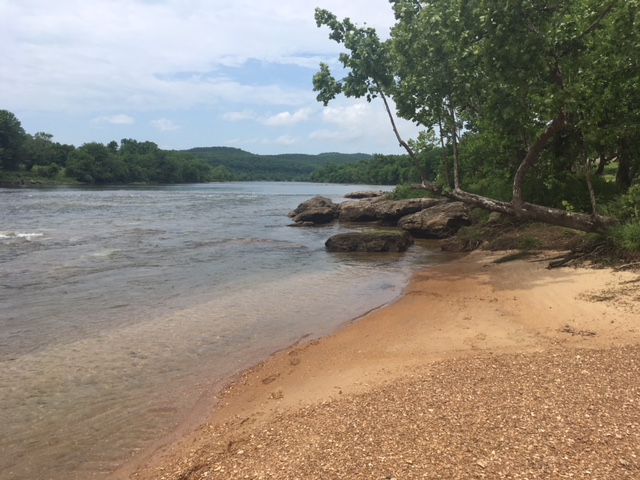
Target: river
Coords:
[[121, 308]]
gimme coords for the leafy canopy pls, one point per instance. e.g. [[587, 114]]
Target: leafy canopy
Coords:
[[537, 88]]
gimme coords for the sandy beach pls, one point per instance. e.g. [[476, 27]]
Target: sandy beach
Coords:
[[480, 370]]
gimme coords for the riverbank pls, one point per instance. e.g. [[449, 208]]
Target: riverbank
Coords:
[[480, 370]]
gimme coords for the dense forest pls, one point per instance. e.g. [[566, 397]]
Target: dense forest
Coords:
[[26, 158], [238, 165]]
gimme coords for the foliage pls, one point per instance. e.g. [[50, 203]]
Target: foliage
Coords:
[[521, 94], [379, 170], [626, 238], [220, 174], [405, 192], [38, 176], [12, 137], [132, 161], [41, 150], [630, 204], [528, 243], [240, 165]]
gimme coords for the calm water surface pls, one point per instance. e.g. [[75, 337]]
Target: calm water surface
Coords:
[[120, 308]]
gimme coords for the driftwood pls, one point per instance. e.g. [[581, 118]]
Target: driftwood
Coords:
[[626, 266], [575, 255]]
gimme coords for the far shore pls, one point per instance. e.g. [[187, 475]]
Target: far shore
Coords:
[[480, 370]]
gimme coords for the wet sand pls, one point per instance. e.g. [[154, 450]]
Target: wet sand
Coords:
[[480, 370]]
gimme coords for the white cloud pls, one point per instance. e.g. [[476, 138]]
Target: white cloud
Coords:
[[358, 125], [351, 116], [286, 140], [325, 135], [287, 118], [106, 52], [120, 119], [346, 123], [165, 125], [77, 60], [239, 116]]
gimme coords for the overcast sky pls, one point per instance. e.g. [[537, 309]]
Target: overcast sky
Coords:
[[186, 73]]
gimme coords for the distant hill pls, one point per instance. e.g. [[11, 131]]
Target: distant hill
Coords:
[[241, 165]]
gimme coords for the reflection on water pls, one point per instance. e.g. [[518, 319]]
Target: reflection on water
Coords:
[[121, 306]]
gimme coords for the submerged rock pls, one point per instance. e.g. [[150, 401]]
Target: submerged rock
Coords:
[[395, 241], [317, 210]]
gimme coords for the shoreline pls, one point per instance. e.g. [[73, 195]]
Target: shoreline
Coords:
[[469, 310]]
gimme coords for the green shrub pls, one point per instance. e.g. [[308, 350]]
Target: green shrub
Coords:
[[479, 216], [626, 237], [405, 191], [528, 243], [625, 207], [491, 187]]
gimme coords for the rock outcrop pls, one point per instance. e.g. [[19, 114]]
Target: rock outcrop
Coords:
[[421, 217], [396, 241], [317, 210], [440, 221], [365, 194], [358, 211], [387, 212]]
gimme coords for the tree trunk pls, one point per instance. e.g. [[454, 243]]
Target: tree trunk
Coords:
[[454, 140], [624, 177], [532, 156], [517, 207], [529, 211], [602, 162]]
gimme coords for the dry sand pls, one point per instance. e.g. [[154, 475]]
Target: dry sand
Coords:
[[480, 370]]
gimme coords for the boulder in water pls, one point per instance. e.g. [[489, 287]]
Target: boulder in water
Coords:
[[371, 241]]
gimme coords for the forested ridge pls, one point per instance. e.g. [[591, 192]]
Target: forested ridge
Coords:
[[236, 164]]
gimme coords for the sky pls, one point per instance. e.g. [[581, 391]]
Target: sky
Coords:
[[187, 73]]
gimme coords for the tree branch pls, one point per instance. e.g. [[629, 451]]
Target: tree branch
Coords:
[[403, 144], [532, 156], [605, 13], [445, 160]]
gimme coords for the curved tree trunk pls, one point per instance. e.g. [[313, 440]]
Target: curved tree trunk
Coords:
[[517, 208]]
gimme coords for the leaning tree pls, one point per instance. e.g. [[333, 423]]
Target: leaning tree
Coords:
[[556, 82]]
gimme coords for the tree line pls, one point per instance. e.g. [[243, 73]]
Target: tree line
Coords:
[[240, 165], [132, 161], [379, 169], [129, 161]]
